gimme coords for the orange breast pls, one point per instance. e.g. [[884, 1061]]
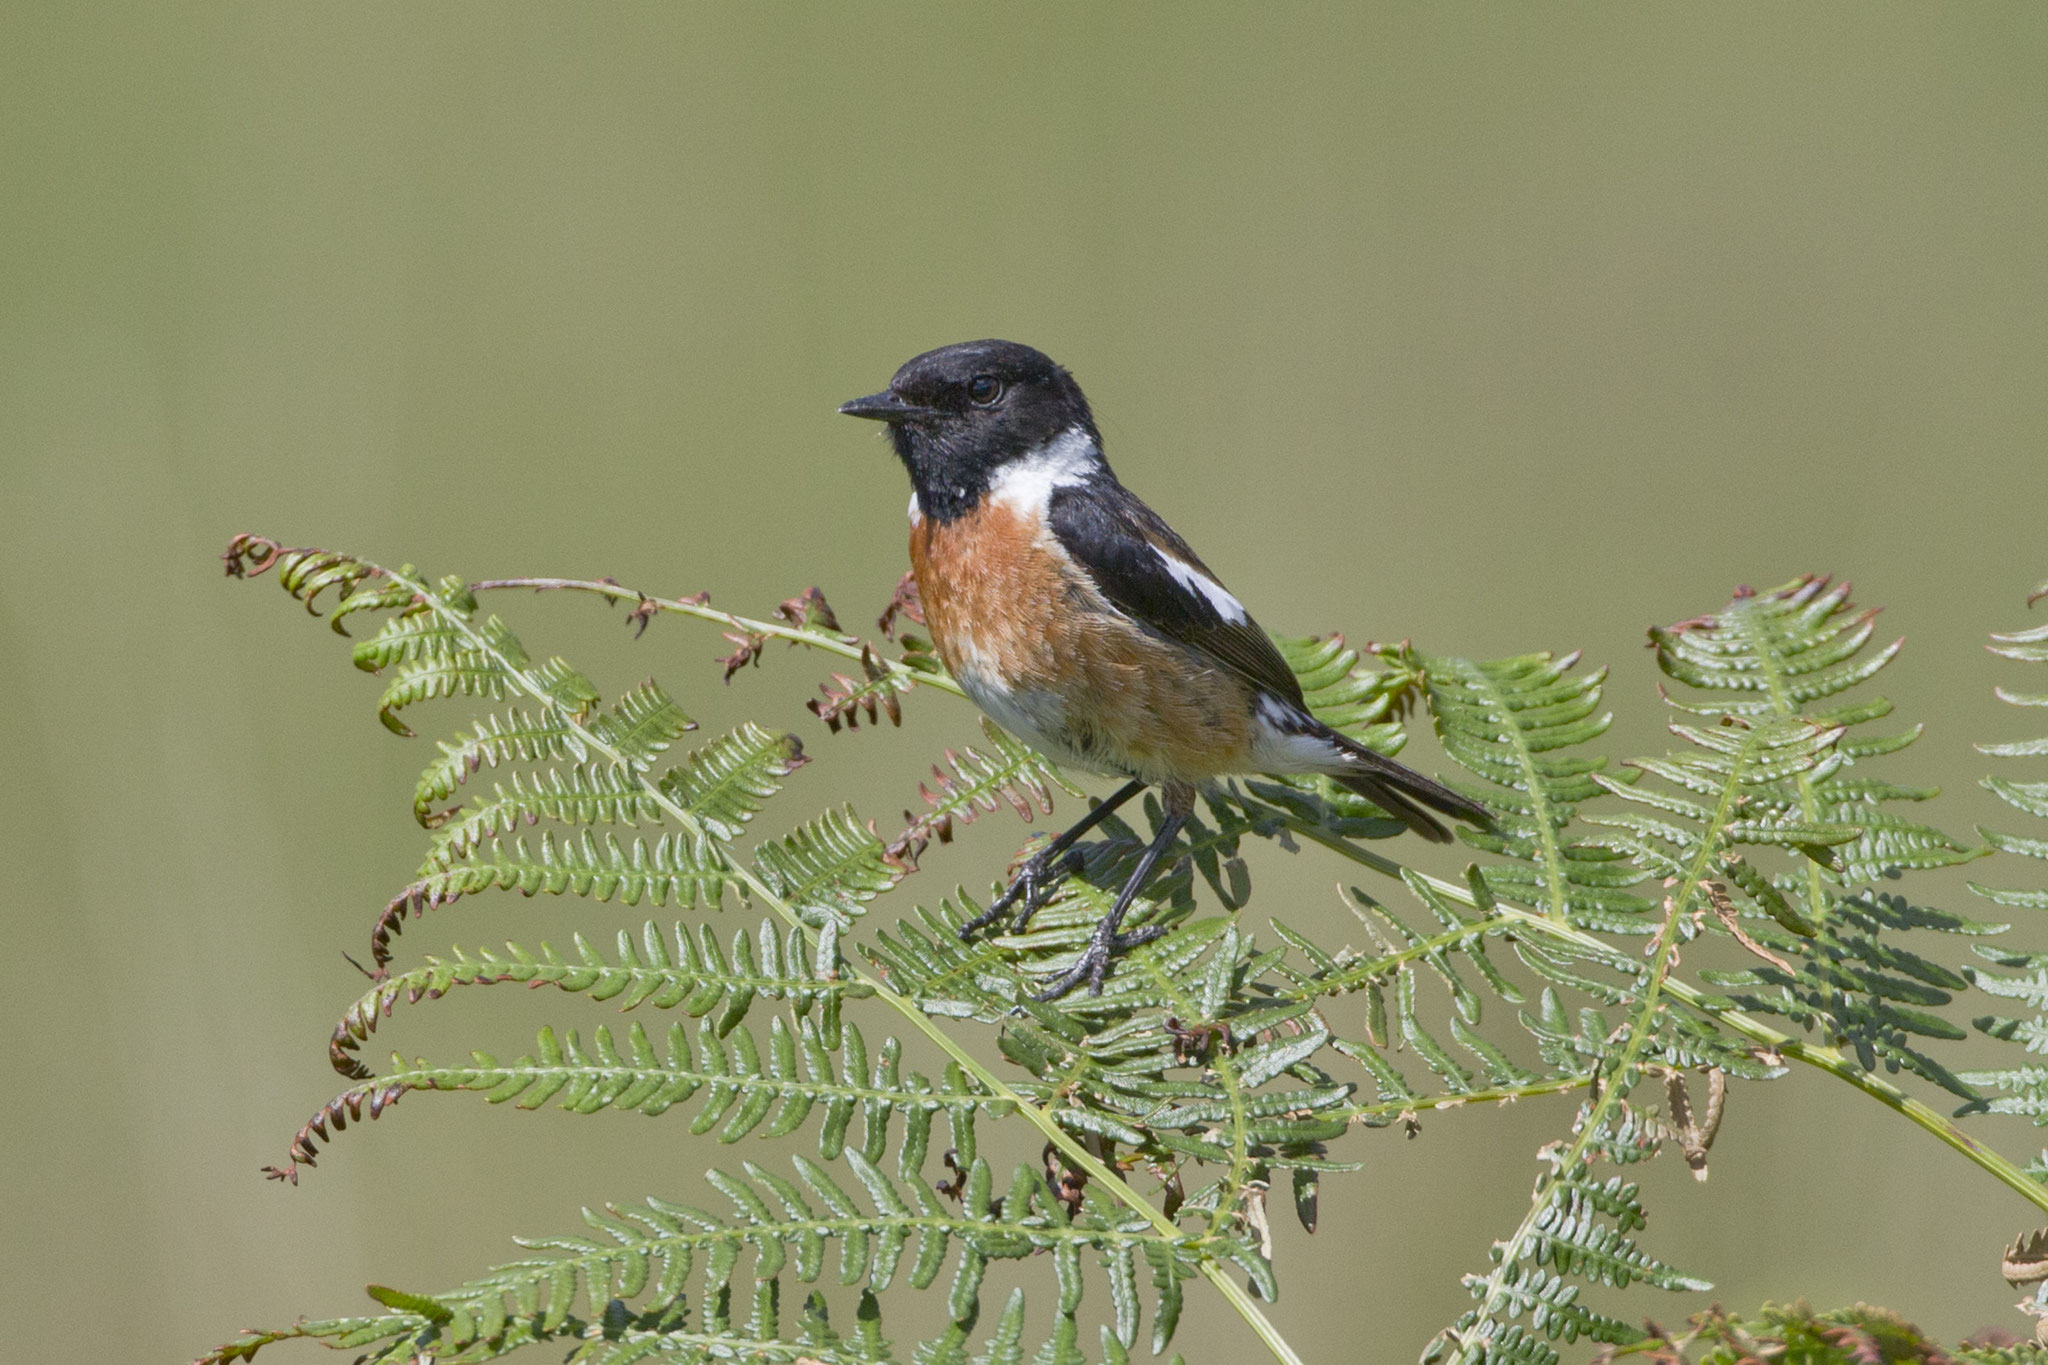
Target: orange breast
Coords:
[[1033, 642]]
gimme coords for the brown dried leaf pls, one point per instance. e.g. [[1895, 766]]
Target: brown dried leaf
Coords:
[[846, 699], [2026, 1260], [904, 602], [808, 610], [1724, 910]]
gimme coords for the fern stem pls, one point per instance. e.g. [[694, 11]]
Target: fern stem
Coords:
[[1610, 1095], [1831, 1060], [1544, 815], [1838, 1065], [1362, 970], [1502, 1094], [1743, 614], [1827, 1059], [1227, 1079], [1079, 1157], [846, 647]]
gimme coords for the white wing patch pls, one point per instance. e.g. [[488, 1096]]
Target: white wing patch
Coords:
[[1279, 746], [916, 509], [1026, 483], [1199, 583]]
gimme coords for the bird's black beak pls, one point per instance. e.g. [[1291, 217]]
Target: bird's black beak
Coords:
[[885, 407]]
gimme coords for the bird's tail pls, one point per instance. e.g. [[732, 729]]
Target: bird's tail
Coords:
[[1397, 790]]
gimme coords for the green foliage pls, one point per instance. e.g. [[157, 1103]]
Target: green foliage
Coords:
[[1512, 722], [1799, 1336], [652, 1255], [1223, 1057], [2018, 976]]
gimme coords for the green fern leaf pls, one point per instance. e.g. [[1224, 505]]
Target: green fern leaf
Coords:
[[513, 736], [828, 869], [1361, 702], [1012, 774], [1776, 654], [652, 1254], [2019, 1089], [723, 784], [667, 871], [726, 783], [744, 1084], [1509, 722], [1772, 770], [682, 971]]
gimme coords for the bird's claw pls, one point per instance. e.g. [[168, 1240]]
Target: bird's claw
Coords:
[[1093, 964], [1036, 880]]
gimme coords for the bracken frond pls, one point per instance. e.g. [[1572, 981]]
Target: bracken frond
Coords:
[[1772, 769], [2023, 976], [668, 871], [653, 1254], [1510, 722], [1012, 774], [679, 970], [1219, 1055], [749, 1085], [828, 869]]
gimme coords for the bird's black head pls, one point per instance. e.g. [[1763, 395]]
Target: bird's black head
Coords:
[[959, 414]]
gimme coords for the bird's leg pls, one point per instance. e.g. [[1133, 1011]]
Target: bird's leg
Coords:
[[1106, 941], [1041, 872]]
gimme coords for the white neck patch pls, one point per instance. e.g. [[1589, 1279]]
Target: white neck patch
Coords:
[[1065, 461]]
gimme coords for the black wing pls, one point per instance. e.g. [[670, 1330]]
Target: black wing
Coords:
[[1133, 556]]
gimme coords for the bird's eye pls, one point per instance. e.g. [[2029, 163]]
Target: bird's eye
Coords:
[[984, 389]]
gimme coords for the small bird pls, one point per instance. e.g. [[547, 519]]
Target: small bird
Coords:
[[1074, 616]]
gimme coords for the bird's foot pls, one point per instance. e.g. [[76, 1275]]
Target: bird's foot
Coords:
[[1093, 964], [1032, 887]]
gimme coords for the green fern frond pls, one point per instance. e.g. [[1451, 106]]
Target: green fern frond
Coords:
[[653, 1254], [726, 783], [677, 971], [723, 785], [720, 785], [1508, 722], [743, 1080], [308, 573], [511, 736], [1773, 770], [430, 655], [2030, 798], [667, 871], [2024, 976], [568, 794], [1012, 774], [663, 1332], [1363, 703], [1777, 654], [828, 869], [1577, 1228], [641, 725]]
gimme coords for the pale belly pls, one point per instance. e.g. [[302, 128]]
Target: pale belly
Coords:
[[1036, 716]]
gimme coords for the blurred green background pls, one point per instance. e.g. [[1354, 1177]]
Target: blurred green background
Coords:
[[1498, 327]]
